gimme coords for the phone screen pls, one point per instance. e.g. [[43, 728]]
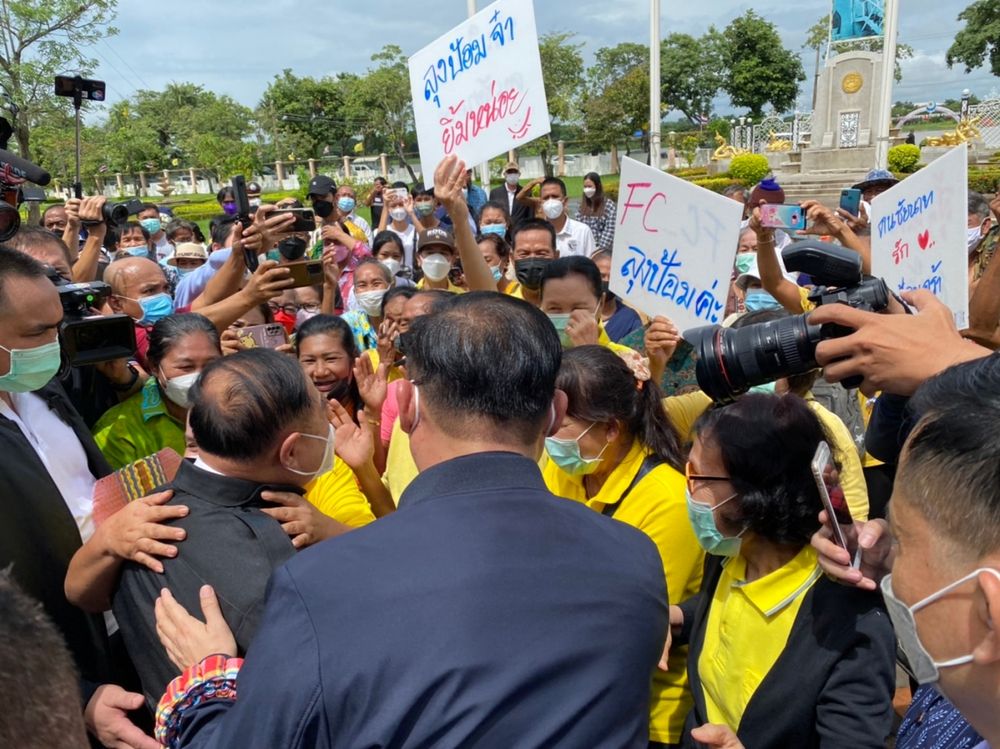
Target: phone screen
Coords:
[[831, 493], [782, 216]]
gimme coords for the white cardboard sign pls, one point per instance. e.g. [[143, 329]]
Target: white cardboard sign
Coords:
[[919, 233], [478, 90], [675, 243]]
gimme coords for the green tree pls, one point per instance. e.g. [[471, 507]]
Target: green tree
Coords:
[[616, 102], [562, 71], [306, 114], [379, 102], [691, 72], [980, 37], [40, 39], [758, 69]]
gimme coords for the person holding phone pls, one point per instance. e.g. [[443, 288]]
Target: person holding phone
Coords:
[[780, 655], [617, 452]]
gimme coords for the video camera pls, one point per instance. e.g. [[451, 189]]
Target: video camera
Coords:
[[731, 361], [14, 171], [85, 337]]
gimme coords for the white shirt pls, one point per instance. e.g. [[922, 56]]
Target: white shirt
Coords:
[[163, 248], [511, 194], [575, 238], [408, 238], [60, 451]]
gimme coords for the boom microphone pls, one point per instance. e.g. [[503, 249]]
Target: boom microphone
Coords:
[[23, 168]]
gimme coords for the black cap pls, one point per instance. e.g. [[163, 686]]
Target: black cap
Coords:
[[322, 185]]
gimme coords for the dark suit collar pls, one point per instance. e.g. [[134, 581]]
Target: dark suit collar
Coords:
[[479, 472], [223, 490]]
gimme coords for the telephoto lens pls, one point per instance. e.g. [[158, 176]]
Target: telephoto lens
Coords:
[[10, 220], [115, 214]]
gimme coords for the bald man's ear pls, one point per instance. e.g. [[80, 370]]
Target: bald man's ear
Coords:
[[560, 402], [987, 607], [115, 303], [405, 400]]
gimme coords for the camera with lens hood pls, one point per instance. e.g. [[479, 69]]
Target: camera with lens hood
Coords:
[[731, 361], [85, 337]]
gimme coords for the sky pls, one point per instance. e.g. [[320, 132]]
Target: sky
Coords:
[[236, 48]]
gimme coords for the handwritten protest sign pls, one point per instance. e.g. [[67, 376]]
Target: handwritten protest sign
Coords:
[[478, 90], [675, 244], [919, 233]]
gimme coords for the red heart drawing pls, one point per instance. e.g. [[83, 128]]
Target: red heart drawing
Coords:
[[924, 239]]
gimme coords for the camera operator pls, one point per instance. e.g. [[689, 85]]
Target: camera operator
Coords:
[[93, 389], [48, 467], [87, 212]]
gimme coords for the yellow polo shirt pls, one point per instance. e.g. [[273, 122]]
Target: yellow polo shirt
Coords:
[[684, 411], [657, 507], [451, 287], [337, 495], [400, 469], [747, 629], [514, 290], [395, 373]]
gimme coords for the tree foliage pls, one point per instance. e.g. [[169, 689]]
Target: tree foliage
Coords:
[[979, 39], [616, 100], [307, 115], [691, 72], [759, 70], [40, 39]]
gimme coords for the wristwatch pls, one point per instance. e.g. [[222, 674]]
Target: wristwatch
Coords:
[[131, 382]]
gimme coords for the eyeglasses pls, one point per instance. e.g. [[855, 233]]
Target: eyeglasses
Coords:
[[692, 477], [291, 309]]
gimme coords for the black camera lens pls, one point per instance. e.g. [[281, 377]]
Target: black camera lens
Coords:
[[10, 221], [731, 361], [115, 214]]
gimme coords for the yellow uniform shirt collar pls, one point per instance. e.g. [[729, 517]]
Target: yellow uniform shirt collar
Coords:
[[621, 477], [773, 592]]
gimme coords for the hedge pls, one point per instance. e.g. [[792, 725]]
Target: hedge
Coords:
[[718, 184]]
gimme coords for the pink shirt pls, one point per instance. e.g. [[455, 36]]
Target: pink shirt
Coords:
[[390, 411]]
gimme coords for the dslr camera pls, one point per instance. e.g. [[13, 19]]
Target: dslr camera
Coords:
[[731, 361], [85, 337]]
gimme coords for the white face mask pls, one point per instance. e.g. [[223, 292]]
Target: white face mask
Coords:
[[512, 178], [398, 214], [327, 463], [925, 668], [975, 234], [392, 264], [371, 302], [435, 267], [589, 191], [552, 208], [177, 388]]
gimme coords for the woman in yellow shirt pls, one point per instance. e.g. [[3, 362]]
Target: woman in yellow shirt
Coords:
[[779, 654], [617, 453]]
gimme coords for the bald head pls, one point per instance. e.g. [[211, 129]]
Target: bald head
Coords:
[[132, 279]]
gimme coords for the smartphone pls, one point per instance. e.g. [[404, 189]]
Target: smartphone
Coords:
[[782, 216], [399, 192], [305, 272], [850, 200], [305, 219], [831, 494], [243, 216], [270, 335]]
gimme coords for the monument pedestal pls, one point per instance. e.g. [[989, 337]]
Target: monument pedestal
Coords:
[[837, 159]]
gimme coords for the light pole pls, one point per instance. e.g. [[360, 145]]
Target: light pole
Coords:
[[884, 111], [966, 94], [654, 83]]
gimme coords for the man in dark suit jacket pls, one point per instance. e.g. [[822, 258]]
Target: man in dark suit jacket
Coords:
[[506, 193], [485, 611]]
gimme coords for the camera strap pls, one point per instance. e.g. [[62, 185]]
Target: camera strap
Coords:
[[648, 464]]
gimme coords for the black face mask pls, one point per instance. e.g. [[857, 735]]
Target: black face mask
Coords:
[[529, 272], [341, 391], [292, 248], [322, 208]]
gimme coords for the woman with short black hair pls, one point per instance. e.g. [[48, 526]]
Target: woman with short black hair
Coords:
[[779, 654]]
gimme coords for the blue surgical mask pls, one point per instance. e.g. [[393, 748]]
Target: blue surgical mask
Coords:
[[497, 272], [744, 261], [758, 299], [499, 229], [560, 321], [566, 455], [140, 250], [31, 368], [702, 518], [152, 225], [346, 204], [766, 389], [155, 308]]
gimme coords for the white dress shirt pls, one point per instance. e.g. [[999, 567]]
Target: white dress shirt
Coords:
[[575, 238]]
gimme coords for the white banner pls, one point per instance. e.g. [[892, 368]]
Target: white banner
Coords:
[[675, 244], [478, 90], [919, 233]]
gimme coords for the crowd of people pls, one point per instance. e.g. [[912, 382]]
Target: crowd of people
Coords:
[[424, 480]]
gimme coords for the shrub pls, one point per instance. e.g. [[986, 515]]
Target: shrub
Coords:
[[904, 158], [984, 180], [749, 168], [717, 184]]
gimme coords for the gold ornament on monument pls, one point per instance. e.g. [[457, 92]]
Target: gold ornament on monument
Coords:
[[852, 83], [724, 150]]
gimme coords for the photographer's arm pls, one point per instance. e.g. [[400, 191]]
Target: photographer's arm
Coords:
[[771, 277], [71, 234], [823, 221], [88, 209], [268, 282], [984, 307]]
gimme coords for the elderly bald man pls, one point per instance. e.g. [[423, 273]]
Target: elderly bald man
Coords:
[[140, 290]]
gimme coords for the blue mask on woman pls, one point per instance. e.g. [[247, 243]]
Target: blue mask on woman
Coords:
[[702, 518], [758, 299], [499, 229], [566, 455]]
